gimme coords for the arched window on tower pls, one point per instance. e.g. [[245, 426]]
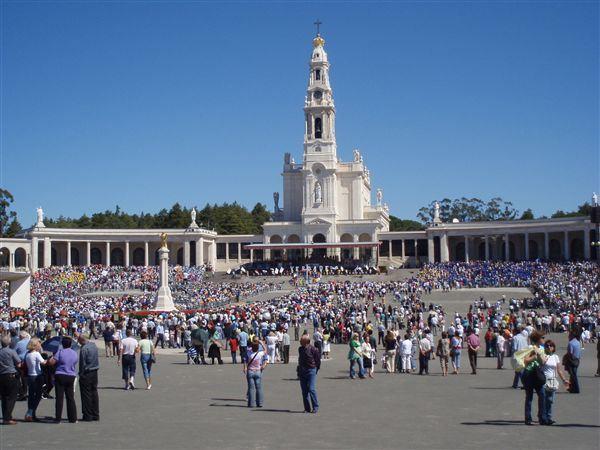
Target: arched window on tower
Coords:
[[318, 128], [317, 74]]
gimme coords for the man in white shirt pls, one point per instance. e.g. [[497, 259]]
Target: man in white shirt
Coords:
[[424, 352], [127, 351]]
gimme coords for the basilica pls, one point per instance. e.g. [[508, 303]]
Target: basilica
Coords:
[[329, 212]]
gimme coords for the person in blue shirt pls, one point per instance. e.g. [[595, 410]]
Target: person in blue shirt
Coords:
[[572, 360], [243, 341]]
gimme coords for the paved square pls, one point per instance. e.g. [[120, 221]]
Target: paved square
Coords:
[[204, 407]]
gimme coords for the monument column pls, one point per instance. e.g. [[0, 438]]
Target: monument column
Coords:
[[68, 253], [586, 244], [88, 253], [487, 247], [164, 298], [34, 254], [546, 245], [126, 253], [146, 254], [430, 249], [444, 252], [47, 252], [107, 254], [186, 253]]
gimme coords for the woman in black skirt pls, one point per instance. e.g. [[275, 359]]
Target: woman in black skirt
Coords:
[[368, 355], [214, 351]]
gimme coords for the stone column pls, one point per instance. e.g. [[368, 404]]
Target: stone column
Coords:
[[444, 251], [251, 255], [11, 261], [34, 254], [200, 251], [390, 249], [587, 253], [416, 251], [146, 254], [467, 249], [47, 252], [107, 254], [240, 253], [403, 253], [227, 252], [526, 246], [68, 253], [213, 254], [88, 253], [355, 250], [126, 253], [430, 249], [506, 247], [566, 252], [486, 239], [546, 245], [186, 253]]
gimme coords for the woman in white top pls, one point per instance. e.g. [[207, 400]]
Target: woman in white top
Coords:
[[35, 379], [271, 347], [367, 352], [552, 372], [405, 353]]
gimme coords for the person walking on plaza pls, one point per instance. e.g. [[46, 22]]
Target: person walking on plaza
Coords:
[[147, 357], [552, 372], [88, 379], [309, 363], [285, 343], [519, 342], [443, 352], [35, 377], [455, 351], [233, 346], [473, 345], [65, 360], [391, 346], [243, 341], [355, 356], [572, 359], [257, 361], [127, 351], [533, 363], [424, 354], [406, 348], [9, 365]]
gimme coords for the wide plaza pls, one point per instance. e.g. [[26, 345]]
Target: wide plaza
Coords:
[[205, 406]]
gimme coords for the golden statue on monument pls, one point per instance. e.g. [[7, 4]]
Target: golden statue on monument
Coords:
[[163, 240]]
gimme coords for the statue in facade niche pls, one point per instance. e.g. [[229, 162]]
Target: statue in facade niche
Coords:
[[193, 215], [276, 201], [318, 193], [357, 157], [379, 196]]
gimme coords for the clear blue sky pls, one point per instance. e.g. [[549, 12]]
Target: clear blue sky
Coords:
[[143, 104]]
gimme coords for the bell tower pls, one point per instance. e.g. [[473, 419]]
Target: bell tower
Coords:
[[319, 109]]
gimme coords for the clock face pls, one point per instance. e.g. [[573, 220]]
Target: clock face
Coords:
[[318, 95]]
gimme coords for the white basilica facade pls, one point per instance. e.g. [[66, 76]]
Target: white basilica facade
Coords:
[[327, 214]]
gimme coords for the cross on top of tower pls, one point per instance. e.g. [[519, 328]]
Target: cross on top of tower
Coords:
[[318, 23]]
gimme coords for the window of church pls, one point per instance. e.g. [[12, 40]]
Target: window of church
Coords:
[[318, 128]]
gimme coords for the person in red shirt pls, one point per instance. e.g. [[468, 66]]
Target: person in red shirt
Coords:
[[234, 345]]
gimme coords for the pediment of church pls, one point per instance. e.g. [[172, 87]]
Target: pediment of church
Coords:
[[318, 222]]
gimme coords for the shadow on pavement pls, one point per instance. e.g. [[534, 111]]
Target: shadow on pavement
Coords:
[[229, 399], [520, 422]]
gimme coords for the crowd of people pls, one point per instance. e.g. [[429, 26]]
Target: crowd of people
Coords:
[[381, 322]]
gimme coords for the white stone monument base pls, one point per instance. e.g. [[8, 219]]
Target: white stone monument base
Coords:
[[164, 298]]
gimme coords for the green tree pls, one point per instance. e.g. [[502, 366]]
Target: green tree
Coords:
[[397, 224], [582, 210], [13, 228], [527, 215], [260, 215], [6, 216], [469, 210]]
